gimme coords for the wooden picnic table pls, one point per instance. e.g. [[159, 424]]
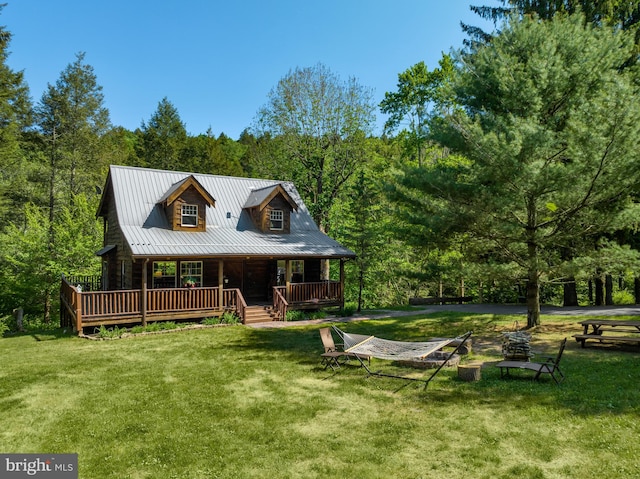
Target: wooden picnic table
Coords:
[[613, 330]]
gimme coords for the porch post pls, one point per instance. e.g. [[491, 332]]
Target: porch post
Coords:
[[143, 293], [287, 281], [221, 283], [341, 283], [77, 302]]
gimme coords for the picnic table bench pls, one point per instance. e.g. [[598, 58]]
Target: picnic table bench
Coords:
[[609, 330]]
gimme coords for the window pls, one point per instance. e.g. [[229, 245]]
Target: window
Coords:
[[276, 220], [191, 274], [282, 272], [297, 271], [164, 274], [189, 215]]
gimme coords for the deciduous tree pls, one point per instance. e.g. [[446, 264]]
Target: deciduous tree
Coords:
[[321, 124]]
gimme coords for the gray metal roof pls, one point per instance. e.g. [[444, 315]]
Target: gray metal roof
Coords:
[[146, 229]]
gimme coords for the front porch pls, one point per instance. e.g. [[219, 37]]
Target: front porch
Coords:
[[81, 308]]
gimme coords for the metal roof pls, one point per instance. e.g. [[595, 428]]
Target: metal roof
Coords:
[[229, 232]]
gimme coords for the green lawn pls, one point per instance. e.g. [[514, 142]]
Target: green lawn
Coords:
[[235, 402]]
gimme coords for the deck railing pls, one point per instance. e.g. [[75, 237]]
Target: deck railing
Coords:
[[183, 299], [81, 308], [320, 292]]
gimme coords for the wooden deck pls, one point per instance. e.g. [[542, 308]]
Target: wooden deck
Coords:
[[87, 309]]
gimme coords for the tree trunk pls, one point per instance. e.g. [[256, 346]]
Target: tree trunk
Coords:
[[608, 290], [599, 290], [636, 289], [533, 283], [360, 288], [533, 300], [570, 297], [18, 313]]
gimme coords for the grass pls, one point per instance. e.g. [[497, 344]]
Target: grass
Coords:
[[236, 402]]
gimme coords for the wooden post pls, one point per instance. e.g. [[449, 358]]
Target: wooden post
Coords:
[[221, 283], [287, 280], [342, 283], [77, 301], [143, 293]]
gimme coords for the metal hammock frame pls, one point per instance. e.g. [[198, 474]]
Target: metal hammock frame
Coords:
[[364, 346]]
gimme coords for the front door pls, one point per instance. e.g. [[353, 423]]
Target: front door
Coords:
[[257, 280]]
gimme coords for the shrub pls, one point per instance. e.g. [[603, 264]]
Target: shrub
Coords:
[[5, 322], [623, 297], [211, 320], [229, 318], [110, 333], [295, 315], [348, 310]]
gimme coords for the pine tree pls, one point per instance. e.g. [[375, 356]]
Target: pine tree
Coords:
[[548, 122]]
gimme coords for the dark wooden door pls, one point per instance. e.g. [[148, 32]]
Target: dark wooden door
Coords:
[[256, 280]]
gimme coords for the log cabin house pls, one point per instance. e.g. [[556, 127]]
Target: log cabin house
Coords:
[[181, 245]]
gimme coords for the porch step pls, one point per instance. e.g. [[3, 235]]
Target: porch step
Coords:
[[259, 314]]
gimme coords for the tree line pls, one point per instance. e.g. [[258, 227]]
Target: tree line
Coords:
[[509, 171]]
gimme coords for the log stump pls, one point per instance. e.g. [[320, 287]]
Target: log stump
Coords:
[[469, 372]]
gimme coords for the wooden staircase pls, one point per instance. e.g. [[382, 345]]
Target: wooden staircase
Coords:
[[259, 314]]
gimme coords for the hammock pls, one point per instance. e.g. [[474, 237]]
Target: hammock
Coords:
[[364, 346]]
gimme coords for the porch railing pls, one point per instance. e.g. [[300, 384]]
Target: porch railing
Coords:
[[320, 292], [279, 303], [81, 309], [181, 299]]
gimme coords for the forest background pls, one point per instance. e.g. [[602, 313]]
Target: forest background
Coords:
[[508, 172]]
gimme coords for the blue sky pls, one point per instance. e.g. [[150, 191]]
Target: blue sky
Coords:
[[217, 61]]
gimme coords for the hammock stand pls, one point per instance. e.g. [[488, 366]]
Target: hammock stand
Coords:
[[370, 346]]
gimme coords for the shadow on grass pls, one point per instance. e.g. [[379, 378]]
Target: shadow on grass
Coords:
[[600, 380], [42, 334]]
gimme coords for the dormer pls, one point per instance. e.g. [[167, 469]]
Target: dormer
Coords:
[[185, 205], [270, 209]]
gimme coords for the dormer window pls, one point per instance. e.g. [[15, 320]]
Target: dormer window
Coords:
[[189, 215], [276, 220]]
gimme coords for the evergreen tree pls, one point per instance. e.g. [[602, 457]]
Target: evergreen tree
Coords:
[[549, 124], [72, 118], [15, 118], [615, 13], [163, 139]]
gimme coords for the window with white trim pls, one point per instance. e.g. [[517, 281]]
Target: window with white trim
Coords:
[[191, 274], [189, 215], [276, 220]]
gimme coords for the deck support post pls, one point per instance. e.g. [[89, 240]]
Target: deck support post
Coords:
[[341, 283], [221, 283], [143, 293]]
